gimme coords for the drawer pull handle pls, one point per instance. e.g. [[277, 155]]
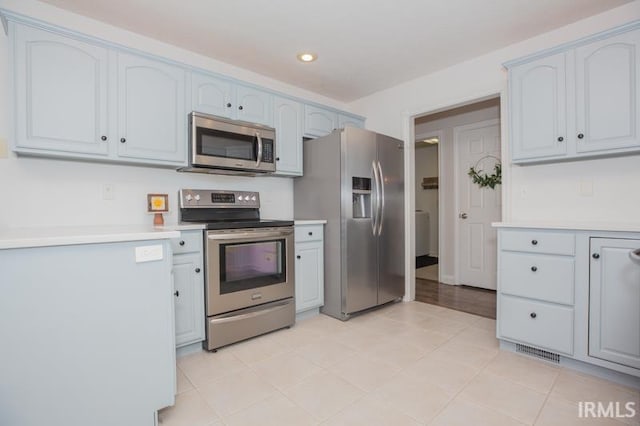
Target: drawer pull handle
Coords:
[[181, 243], [197, 270], [298, 257], [534, 242], [533, 315], [534, 268], [595, 256], [177, 293]]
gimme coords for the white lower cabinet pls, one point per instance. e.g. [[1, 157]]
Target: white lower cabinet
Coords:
[[309, 267], [575, 294], [188, 283], [614, 314]]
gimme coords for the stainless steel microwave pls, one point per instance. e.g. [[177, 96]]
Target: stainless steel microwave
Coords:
[[219, 145]]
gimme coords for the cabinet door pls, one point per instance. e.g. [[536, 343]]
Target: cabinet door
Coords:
[[61, 93], [348, 121], [539, 109], [188, 284], [319, 122], [608, 93], [614, 302], [211, 95], [254, 105], [288, 125], [151, 110], [309, 276]]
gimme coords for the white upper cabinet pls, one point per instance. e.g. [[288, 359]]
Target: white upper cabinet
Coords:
[[61, 93], [608, 93], [319, 122], [254, 105], [223, 98], [288, 125], [211, 95], [582, 101], [349, 121], [151, 109], [539, 108]]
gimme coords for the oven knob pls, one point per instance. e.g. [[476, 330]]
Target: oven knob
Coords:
[[239, 197], [188, 197], [197, 197], [253, 198]]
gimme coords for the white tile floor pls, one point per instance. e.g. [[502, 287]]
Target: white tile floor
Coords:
[[407, 364]]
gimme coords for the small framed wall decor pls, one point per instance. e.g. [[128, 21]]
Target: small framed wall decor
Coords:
[[158, 204]]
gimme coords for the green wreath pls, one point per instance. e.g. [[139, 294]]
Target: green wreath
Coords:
[[483, 179]]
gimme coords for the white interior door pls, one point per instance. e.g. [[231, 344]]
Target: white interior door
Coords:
[[477, 145]]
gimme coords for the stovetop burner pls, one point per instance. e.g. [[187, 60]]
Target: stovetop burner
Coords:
[[224, 209], [243, 224]]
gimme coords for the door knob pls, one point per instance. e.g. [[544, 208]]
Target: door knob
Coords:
[[463, 215]]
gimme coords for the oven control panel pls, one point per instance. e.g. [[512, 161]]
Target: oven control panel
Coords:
[[205, 198]]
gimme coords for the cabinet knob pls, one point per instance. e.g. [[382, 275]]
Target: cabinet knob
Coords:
[[596, 255], [533, 315], [104, 138], [240, 108], [181, 243], [310, 233], [534, 242], [277, 158], [534, 268], [560, 139], [580, 135], [228, 104], [177, 293], [298, 257], [123, 140], [197, 270]]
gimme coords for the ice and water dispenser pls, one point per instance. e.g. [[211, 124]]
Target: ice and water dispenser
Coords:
[[361, 196]]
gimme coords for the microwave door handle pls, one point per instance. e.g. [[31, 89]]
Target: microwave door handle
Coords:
[[259, 149]]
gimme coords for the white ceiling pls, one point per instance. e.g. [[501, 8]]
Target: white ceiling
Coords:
[[363, 46]]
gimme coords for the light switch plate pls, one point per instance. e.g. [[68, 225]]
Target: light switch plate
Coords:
[[149, 253]]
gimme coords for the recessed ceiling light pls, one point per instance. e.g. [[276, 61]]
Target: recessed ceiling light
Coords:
[[307, 57]]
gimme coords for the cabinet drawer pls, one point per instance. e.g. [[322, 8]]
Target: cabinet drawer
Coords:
[[538, 276], [189, 241], [535, 241], [537, 323], [304, 233]]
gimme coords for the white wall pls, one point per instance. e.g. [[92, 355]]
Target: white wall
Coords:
[[444, 123], [427, 199], [540, 192], [42, 192]]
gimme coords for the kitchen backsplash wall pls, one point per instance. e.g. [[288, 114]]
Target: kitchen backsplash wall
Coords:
[[596, 190]]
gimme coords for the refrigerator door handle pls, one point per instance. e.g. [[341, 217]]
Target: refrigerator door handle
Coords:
[[381, 201], [374, 208]]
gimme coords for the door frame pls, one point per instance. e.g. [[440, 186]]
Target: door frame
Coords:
[[457, 130], [440, 135], [408, 132]]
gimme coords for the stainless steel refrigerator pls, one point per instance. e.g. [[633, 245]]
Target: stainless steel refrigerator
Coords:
[[354, 179]]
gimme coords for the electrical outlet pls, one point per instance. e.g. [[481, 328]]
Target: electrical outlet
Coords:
[[108, 191], [149, 253], [586, 187], [4, 150]]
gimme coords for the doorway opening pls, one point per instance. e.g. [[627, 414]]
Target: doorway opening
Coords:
[[455, 244]]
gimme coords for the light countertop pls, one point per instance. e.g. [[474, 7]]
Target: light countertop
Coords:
[[574, 226], [61, 236], [310, 222]]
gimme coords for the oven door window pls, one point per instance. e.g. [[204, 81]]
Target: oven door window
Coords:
[[217, 143], [244, 266]]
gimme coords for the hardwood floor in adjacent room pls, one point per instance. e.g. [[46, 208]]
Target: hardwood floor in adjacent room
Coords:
[[463, 298]]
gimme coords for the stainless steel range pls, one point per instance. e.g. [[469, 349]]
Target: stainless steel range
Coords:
[[249, 284]]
